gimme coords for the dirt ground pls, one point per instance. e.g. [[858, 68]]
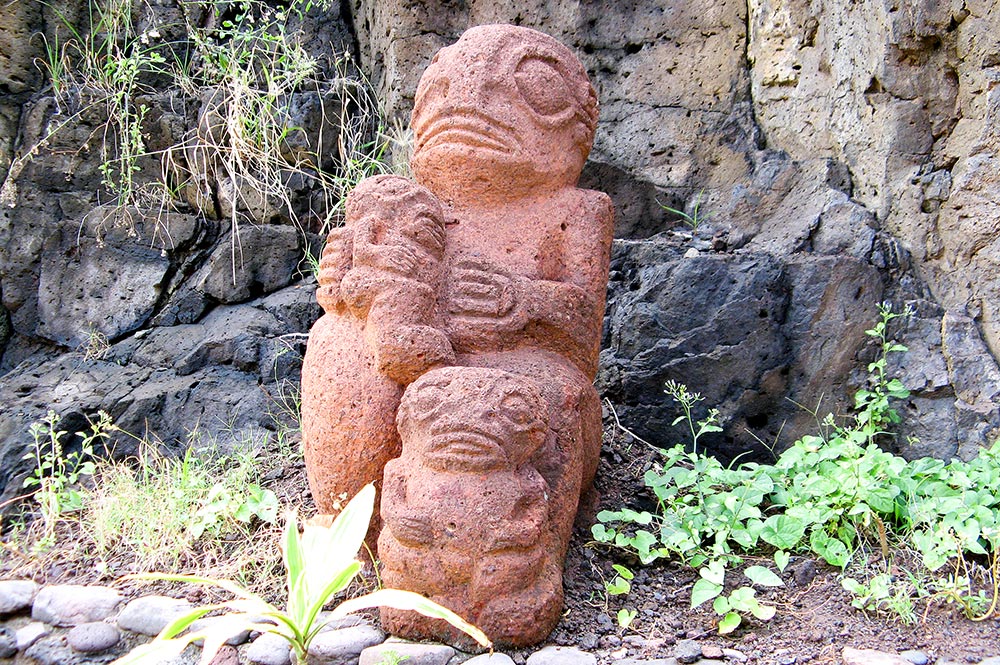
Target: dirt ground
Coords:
[[813, 624]]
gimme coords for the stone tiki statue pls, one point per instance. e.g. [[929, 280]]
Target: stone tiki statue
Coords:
[[461, 335]]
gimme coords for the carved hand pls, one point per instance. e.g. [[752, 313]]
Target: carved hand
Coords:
[[480, 290]]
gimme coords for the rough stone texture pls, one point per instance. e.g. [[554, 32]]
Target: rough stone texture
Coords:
[[333, 647], [27, 635], [687, 651], [93, 637], [198, 340], [71, 604], [411, 652], [147, 615], [799, 137], [561, 656], [269, 649], [16, 595], [53, 650], [8, 644], [871, 657], [487, 275]]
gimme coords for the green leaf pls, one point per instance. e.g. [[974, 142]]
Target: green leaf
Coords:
[[763, 612], [729, 623], [721, 605], [602, 534], [406, 600], [763, 576], [781, 559], [714, 572], [623, 571], [626, 616], [703, 591], [782, 531]]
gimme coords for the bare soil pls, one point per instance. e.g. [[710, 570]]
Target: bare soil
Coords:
[[814, 622]]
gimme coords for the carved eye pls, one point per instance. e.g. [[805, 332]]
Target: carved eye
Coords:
[[426, 401], [517, 409], [542, 86]]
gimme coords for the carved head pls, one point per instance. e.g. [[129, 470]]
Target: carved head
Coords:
[[472, 419], [503, 102], [405, 212]]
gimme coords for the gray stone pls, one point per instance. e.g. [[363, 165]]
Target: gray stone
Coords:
[[334, 647], [8, 644], [490, 659], [687, 651], [854, 656], [649, 661], [552, 655], [93, 637], [16, 595], [52, 650], [733, 654], [412, 653], [235, 639], [266, 258], [269, 649], [148, 615], [97, 281], [920, 658], [71, 604], [29, 634], [993, 660]]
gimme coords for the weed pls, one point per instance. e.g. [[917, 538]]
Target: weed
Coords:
[[57, 474], [247, 160], [319, 563], [692, 219]]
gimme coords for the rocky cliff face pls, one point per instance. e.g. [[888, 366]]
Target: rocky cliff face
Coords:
[[838, 153]]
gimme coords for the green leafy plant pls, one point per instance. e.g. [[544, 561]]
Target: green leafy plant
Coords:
[[319, 563], [222, 504], [57, 474], [832, 494]]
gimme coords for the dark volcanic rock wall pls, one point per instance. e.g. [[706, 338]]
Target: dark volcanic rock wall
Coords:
[[183, 329]]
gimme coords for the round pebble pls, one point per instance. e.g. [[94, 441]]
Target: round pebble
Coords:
[[914, 656], [269, 649], [71, 604], [150, 614], [93, 637], [16, 595], [687, 651]]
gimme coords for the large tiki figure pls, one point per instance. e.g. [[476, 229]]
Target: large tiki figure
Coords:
[[475, 300]]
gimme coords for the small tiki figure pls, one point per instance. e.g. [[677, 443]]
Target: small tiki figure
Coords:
[[377, 284], [465, 509], [398, 242]]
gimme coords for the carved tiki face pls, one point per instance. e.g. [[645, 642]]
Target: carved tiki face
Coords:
[[404, 212], [506, 107], [472, 419]]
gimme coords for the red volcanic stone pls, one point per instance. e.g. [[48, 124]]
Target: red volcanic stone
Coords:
[[471, 303]]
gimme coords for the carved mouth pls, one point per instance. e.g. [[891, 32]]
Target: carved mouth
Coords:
[[470, 129], [465, 450]]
